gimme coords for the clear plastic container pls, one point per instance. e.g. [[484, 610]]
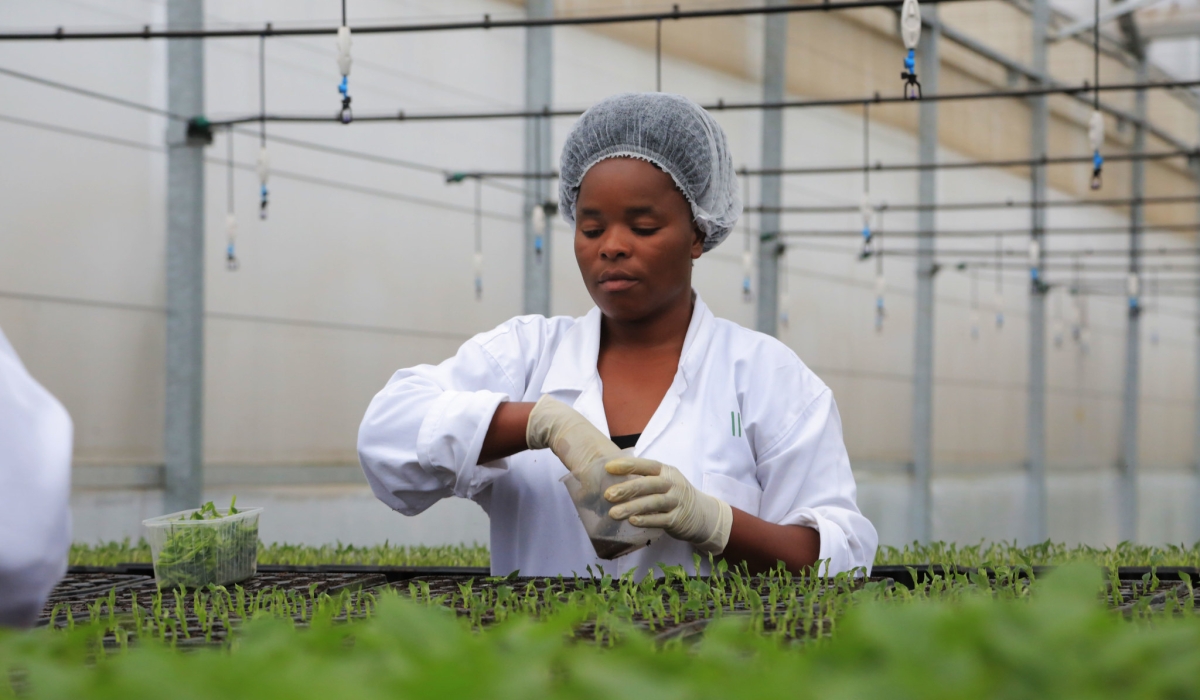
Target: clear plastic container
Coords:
[[610, 538], [195, 553]]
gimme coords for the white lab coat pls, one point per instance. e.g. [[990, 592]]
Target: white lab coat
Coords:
[[35, 490], [744, 420]]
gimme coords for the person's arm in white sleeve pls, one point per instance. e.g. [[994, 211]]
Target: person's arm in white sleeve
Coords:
[[806, 480], [35, 490], [422, 435]]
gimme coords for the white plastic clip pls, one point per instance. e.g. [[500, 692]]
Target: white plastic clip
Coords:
[[910, 24], [1133, 286], [537, 216]]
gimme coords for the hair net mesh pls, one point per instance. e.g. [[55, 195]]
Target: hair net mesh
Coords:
[[673, 133]]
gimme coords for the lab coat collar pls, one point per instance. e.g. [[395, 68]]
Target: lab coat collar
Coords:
[[573, 368]]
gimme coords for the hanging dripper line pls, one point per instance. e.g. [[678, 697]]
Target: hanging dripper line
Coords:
[[880, 282], [658, 55], [747, 252], [999, 281], [264, 161], [231, 261], [910, 33], [344, 61], [478, 259], [865, 205], [1096, 122]]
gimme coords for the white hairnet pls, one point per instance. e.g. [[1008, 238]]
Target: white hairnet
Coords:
[[673, 133]]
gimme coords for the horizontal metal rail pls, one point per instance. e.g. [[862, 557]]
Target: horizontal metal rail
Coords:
[[486, 22], [718, 106]]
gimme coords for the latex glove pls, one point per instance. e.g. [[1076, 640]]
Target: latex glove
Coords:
[[568, 434], [664, 498]]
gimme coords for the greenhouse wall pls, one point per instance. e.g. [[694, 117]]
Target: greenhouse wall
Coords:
[[364, 268]]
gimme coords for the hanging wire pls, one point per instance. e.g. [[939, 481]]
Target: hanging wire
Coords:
[[264, 160], [1082, 333], [344, 61], [785, 296], [747, 250], [231, 261], [1059, 324], [1153, 308], [658, 55], [880, 282], [865, 205], [478, 259], [974, 303], [1096, 122], [999, 281]]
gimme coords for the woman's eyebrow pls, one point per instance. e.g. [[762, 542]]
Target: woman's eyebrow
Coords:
[[639, 211], [590, 211]]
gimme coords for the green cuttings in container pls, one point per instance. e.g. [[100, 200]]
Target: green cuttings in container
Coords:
[[194, 556]]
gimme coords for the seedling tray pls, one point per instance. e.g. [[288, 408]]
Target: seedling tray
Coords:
[[111, 591]]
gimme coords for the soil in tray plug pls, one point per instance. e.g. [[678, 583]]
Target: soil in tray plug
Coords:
[[193, 557], [611, 549]]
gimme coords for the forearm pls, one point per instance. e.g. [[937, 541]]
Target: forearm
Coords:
[[506, 432], [761, 544]]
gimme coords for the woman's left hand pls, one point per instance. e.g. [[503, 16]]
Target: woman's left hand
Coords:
[[662, 497]]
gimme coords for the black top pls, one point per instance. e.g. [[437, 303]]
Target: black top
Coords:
[[625, 441]]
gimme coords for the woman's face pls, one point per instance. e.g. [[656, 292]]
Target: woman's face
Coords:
[[634, 239]]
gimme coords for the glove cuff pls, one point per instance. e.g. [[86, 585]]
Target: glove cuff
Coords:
[[717, 541], [537, 430]]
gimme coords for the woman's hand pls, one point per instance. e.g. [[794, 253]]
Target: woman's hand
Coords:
[[571, 437], [664, 498]]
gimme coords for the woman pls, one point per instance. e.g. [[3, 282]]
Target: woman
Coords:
[[737, 445]]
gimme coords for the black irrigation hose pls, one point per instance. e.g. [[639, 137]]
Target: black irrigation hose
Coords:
[[972, 206], [987, 233], [880, 167], [1016, 162], [145, 32], [721, 105]]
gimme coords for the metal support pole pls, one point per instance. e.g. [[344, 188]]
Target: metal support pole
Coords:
[[922, 415], [1196, 434], [1127, 465], [1035, 518], [539, 82], [183, 442], [774, 81]]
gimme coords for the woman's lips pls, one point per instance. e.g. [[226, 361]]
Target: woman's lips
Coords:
[[617, 284]]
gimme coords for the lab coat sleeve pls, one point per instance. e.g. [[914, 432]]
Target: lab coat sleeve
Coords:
[[806, 480], [420, 439], [35, 490]]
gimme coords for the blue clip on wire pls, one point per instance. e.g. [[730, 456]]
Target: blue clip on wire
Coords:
[[912, 88], [1097, 166]]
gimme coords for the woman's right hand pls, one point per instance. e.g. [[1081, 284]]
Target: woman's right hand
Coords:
[[571, 437]]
